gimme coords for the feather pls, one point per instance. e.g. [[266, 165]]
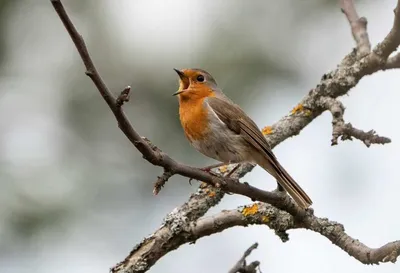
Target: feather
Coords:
[[238, 122]]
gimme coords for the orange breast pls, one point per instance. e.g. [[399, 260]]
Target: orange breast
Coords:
[[194, 119]]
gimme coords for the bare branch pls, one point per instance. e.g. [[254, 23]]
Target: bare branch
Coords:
[[281, 222], [349, 59], [358, 28], [257, 213], [123, 97], [161, 180], [172, 233], [392, 40], [253, 214], [345, 130], [393, 62], [242, 267]]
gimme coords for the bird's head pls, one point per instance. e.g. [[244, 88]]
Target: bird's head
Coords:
[[195, 84]]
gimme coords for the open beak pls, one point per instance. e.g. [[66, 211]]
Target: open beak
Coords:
[[178, 92], [180, 73], [183, 78]]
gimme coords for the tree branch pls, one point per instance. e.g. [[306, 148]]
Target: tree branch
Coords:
[[281, 222], [172, 233], [392, 40], [393, 62], [242, 267], [180, 225], [265, 214], [358, 28], [123, 97], [345, 130], [184, 231]]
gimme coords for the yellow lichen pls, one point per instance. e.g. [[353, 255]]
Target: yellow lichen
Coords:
[[211, 194], [308, 113], [297, 108], [223, 168], [250, 210], [265, 219], [267, 130]]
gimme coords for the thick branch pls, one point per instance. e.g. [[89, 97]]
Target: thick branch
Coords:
[[358, 27], [281, 222], [255, 214], [172, 233]]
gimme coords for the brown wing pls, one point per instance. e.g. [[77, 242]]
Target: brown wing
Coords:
[[240, 123], [237, 120]]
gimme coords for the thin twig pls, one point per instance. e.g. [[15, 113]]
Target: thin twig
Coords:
[[393, 62], [358, 28], [161, 180], [242, 267], [124, 96], [346, 131], [392, 40]]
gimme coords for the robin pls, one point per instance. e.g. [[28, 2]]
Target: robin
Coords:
[[220, 129]]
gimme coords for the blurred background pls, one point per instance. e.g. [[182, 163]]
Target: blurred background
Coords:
[[76, 196]]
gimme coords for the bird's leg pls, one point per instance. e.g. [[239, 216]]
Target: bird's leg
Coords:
[[217, 165], [233, 170], [209, 168]]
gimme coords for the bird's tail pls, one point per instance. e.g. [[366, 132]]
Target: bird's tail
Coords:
[[287, 182]]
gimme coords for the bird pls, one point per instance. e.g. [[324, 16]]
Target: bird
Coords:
[[218, 128]]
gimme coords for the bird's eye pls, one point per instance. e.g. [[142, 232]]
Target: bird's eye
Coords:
[[200, 78]]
